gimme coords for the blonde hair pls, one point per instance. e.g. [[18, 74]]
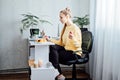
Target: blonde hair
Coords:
[[66, 12]]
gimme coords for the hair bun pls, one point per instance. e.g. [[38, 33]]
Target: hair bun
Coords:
[[67, 9]]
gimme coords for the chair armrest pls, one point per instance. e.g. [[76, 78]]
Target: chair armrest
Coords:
[[76, 56], [85, 52]]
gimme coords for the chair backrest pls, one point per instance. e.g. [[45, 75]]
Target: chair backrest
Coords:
[[87, 41]]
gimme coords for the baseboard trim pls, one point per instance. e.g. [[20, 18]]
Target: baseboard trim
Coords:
[[14, 71]]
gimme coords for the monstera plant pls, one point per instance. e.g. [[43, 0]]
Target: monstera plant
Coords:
[[31, 21]]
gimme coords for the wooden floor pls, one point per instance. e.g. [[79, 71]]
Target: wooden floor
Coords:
[[18, 76], [23, 74], [81, 75]]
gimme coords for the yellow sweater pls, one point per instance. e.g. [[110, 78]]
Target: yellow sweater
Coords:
[[70, 44]]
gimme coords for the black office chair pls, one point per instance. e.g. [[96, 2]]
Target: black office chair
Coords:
[[87, 41]]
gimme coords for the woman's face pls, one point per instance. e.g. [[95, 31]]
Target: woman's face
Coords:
[[63, 18]]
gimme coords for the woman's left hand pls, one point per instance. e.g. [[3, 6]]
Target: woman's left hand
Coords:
[[47, 38], [70, 35]]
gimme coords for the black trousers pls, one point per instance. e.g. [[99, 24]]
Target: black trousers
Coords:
[[58, 55]]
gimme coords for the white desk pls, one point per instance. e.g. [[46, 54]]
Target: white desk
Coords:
[[41, 52]]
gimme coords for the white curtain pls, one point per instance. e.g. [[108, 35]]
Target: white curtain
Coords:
[[105, 26]]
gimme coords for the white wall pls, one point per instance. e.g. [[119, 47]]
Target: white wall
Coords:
[[13, 46]]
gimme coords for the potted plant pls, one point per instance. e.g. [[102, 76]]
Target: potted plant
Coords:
[[81, 21], [31, 22]]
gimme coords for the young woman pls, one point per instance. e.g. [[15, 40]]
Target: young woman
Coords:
[[70, 40]]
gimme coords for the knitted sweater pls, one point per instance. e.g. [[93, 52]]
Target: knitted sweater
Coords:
[[70, 44]]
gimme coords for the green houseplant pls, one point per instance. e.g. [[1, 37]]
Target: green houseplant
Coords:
[[31, 21], [81, 21]]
